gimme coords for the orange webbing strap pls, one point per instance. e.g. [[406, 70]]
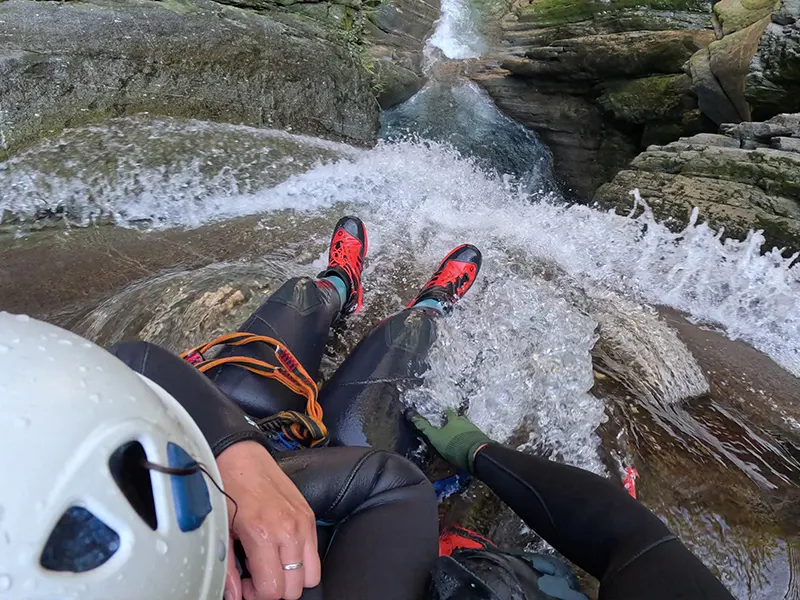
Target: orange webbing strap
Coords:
[[307, 428]]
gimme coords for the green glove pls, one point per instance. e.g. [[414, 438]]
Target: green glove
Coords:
[[457, 441]]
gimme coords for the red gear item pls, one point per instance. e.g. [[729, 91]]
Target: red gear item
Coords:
[[629, 483], [455, 537], [348, 249], [455, 275]]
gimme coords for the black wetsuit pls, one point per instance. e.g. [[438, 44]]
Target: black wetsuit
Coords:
[[377, 512]]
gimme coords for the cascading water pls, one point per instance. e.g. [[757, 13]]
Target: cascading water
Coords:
[[518, 350]]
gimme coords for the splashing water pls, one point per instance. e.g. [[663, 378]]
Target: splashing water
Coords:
[[157, 172], [422, 192], [455, 34]]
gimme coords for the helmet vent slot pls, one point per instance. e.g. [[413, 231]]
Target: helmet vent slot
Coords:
[[133, 478], [79, 542]]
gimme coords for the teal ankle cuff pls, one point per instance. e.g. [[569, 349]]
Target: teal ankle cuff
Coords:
[[430, 303], [340, 285]]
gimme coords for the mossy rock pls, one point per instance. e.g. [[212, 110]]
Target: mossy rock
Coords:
[[775, 172], [640, 101], [560, 12], [735, 15]]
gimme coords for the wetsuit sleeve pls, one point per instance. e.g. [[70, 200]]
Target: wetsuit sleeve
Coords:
[[222, 422], [599, 527]]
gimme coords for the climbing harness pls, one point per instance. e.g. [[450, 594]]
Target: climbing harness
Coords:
[[305, 429]]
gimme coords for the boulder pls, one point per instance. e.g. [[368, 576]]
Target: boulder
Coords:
[[774, 171], [608, 74], [781, 125], [734, 15], [597, 99], [736, 207], [711, 98], [702, 140], [729, 59], [732, 186], [787, 144], [652, 14]]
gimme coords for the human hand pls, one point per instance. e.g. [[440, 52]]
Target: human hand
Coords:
[[274, 524], [458, 441]]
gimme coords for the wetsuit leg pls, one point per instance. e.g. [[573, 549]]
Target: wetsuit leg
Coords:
[[379, 521], [362, 400], [599, 527], [299, 315]]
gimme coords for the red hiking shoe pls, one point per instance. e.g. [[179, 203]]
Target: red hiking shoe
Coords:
[[346, 259], [455, 275]]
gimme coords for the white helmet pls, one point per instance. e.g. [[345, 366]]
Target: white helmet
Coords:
[[80, 517]]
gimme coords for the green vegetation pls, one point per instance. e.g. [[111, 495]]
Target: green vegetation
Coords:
[[738, 14]]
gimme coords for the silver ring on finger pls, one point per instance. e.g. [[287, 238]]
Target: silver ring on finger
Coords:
[[293, 566]]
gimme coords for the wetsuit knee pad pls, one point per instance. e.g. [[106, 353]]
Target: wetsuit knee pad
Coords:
[[492, 574]]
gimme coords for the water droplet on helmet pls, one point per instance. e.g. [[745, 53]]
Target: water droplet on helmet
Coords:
[[5, 582], [222, 550], [42, 348], [4, 349], [99, 369], [2, 511], [94, 398], [84, 385], [22, 422], [23, 318], [82, 369], [161, 547], [86, 345], [203, 550], [65, 342]]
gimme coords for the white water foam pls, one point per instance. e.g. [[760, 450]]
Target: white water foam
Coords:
[[455, 33], [428, 190], [156, 172]]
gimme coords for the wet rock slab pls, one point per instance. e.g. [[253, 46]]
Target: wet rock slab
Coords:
[[64, 64]]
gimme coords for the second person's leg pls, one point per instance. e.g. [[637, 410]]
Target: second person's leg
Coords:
[[361, 402]]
